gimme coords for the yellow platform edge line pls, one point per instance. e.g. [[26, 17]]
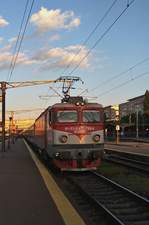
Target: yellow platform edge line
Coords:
[[65, 208]]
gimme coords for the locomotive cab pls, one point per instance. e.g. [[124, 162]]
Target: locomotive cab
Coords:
[[77, 135], [71, 134]]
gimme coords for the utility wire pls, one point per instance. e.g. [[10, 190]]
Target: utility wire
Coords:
[[91, 33], [18, 38], [118, 75], [46, 100], [21, 39], [124, 83], [102, 36]]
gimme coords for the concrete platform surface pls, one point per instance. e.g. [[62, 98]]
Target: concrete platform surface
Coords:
[[133, 147], [24, 198]]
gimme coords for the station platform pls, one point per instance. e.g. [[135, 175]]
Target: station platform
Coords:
[[28, 193], [132, 147]]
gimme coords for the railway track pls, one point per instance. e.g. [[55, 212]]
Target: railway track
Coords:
[[117, 204], [134, 161], [107, 202]]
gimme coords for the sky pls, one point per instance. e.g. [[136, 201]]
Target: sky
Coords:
[[55, 43]]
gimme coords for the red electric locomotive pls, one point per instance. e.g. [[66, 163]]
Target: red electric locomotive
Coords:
[[71, 134]]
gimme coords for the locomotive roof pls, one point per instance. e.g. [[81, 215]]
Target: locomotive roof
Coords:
[[57, 105]]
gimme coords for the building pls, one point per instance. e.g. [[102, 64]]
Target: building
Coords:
[[110, 112], [111, 115], [129, 116], [133, 105]]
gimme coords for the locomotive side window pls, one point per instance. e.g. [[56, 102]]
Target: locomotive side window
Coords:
[[67, 116], [91, 116]]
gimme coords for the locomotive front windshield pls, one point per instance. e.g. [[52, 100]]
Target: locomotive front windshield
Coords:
[[91, 116], [67, 116]]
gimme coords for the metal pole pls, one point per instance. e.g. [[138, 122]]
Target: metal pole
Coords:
[[9, 137], [3, 88], [137, 129], [117, 136]]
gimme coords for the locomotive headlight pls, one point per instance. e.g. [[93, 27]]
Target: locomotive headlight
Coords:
[[57, 154], [96, 138], [63, 139], [77, 103]]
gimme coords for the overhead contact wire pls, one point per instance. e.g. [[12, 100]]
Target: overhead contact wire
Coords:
[[102, 36], [21, 39], [91, 33], [18, 38], [119, 75], [124, 83]]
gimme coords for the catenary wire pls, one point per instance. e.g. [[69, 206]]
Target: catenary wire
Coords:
[[118, 75], [90, 34], [21, 39], [124, 83], [18, 38], [102, 36]]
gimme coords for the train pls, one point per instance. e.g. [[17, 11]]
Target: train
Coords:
[[70, 134]]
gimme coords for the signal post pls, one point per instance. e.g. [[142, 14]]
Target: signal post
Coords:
[[117, 126]]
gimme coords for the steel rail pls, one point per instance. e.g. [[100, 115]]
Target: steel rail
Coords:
[[133, 161], [120, 205]]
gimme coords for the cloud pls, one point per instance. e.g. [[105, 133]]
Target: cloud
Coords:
[[3, 22], [12, 40], [6, 55], [61, 57], [74, 23], [55, 37], [49, 20], [1, 40], [9, 46], [6, 58], [46, 58]]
